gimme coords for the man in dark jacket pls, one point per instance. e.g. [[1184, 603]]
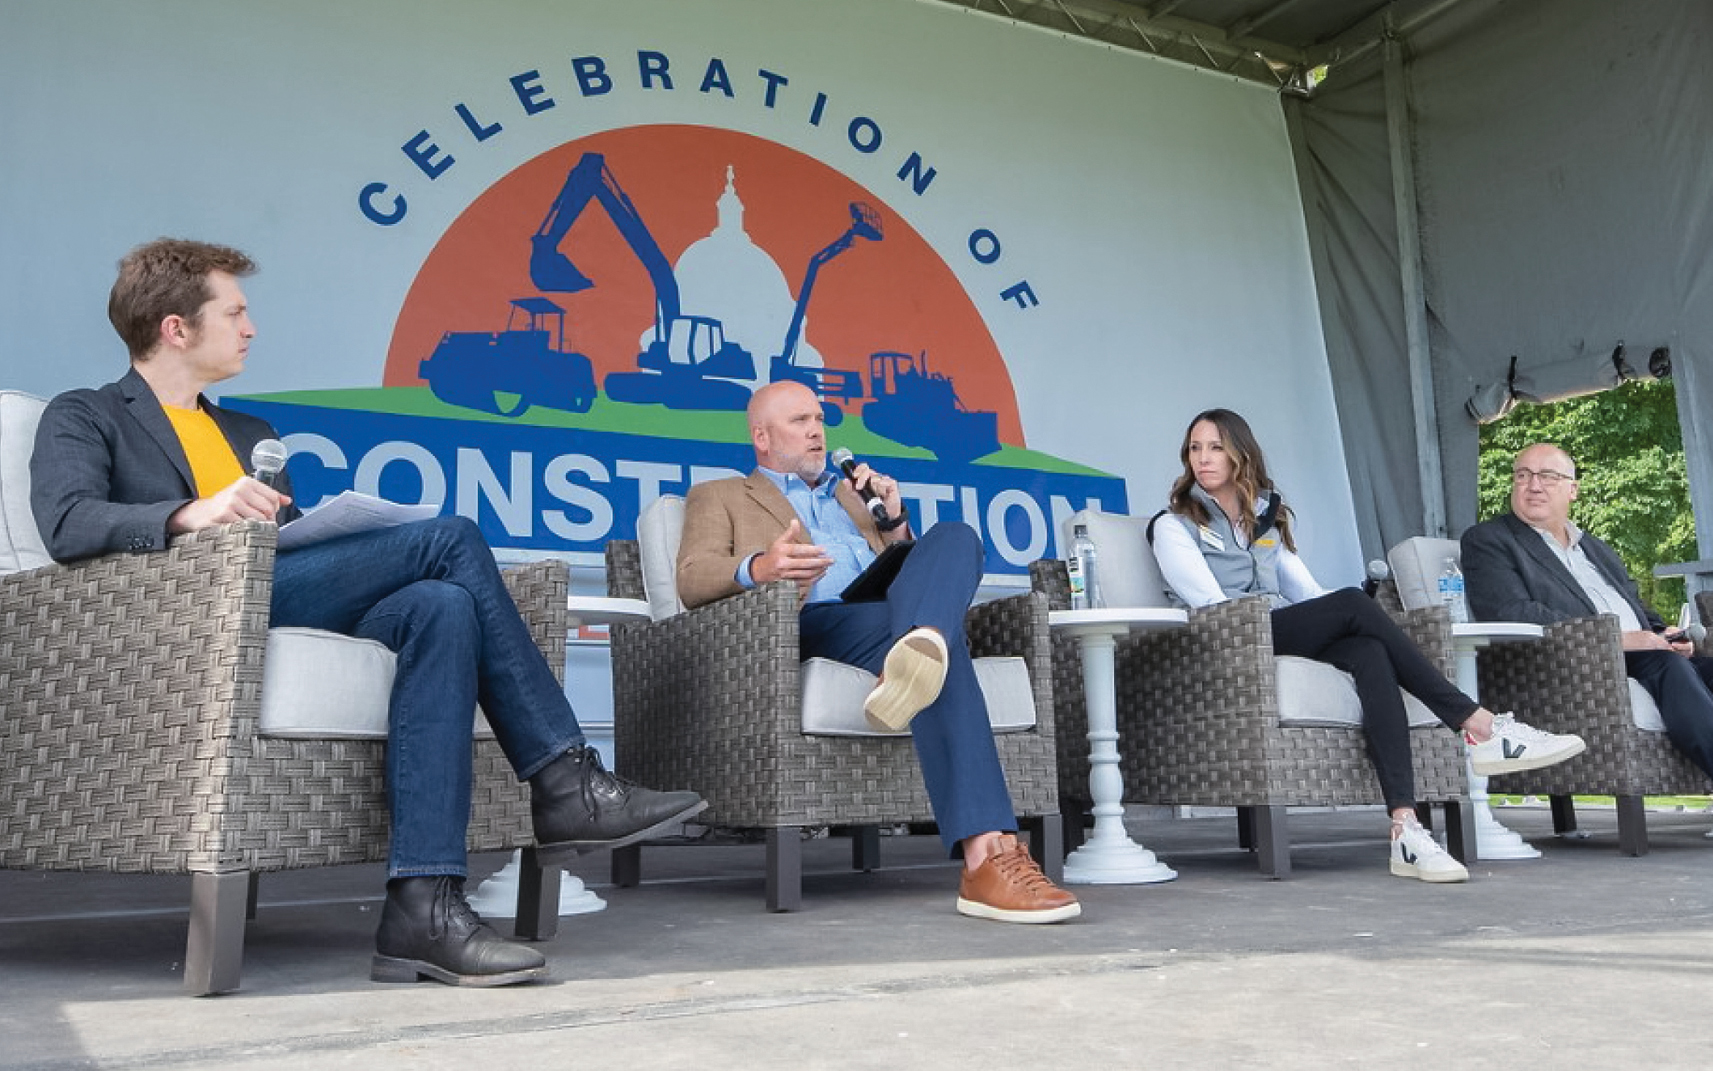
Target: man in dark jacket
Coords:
[[126, 467], [1534, 565]]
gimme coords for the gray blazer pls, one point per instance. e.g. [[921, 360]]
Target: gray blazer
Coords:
[[1510, 574], [108, 469]]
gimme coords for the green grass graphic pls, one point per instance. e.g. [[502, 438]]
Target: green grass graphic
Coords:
[[648, 420]]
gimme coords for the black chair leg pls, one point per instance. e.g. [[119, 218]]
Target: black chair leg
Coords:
[[785, 869], [627, 866], [865, 848], [1246, 829], [1424, 816], [214, 950], [1272, 842], [537, 898], [1563, 814], [1632, 826], [254, 896], [1073, 823], [1460, 829], [1047, 844]]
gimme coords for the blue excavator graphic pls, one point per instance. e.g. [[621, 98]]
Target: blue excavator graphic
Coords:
[[689, 364]]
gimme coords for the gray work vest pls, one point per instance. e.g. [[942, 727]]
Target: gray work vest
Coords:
[[1239, 568]]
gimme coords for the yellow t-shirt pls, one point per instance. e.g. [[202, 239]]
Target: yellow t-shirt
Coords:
[[212, 461]]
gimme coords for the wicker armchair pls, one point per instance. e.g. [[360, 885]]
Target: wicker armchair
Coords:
[[1573, 681], [711, 699], [132, 685], [1199, 719]]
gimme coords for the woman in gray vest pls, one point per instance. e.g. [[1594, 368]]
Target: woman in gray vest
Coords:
[[1233, 539]]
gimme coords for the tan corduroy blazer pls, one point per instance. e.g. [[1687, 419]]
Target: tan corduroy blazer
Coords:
[[725, 521]]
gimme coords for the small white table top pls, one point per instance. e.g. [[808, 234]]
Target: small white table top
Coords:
[[1480, 633], [601, 610], [1118, 619]]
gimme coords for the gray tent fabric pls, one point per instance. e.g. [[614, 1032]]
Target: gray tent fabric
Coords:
[[1564, 174]]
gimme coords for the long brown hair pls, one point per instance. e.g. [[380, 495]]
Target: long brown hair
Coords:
[[1248, 472]]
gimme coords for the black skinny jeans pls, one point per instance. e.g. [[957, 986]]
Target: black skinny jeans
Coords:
[[1348, 630]]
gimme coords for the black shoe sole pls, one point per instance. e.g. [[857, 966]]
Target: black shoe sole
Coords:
[[554, 854], [393, 969]]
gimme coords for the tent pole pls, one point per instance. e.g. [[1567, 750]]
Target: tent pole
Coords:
[[1398, 136]]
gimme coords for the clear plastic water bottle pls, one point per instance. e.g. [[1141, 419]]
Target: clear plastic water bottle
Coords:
[[1085, 578], [1451, 592]]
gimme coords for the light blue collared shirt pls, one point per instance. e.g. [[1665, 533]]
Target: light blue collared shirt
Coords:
[[829, 526]]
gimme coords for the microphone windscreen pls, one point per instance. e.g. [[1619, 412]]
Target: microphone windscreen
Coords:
[[268, 457], [841, 457], [1378, 570]]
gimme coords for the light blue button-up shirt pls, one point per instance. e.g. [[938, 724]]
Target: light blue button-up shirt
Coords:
[[829, 526]]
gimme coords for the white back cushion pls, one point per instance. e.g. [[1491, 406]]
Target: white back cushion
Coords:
[[1125, 569], [21, 545], [659, 530], [1416, 564]]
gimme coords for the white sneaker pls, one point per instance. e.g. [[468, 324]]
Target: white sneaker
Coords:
[[1515, 746], [1415, 854], [910, 679]]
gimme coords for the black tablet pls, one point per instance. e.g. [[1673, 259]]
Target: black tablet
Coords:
[[871, 583]]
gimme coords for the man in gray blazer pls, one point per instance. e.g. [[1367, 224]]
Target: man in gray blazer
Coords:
[[1534, 565], [127, 467]]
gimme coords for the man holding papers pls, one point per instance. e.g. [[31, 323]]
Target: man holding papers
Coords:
[[791, 519], [124, 467]]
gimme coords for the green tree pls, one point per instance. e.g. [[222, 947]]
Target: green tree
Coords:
[[1634, 490]]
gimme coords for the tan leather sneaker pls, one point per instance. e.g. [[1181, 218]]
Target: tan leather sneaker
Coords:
[[1009, 887]]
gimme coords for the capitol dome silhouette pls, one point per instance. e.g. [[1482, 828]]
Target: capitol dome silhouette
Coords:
[[730, 278]]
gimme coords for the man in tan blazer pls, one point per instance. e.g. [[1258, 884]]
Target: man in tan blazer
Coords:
[[791, 519]]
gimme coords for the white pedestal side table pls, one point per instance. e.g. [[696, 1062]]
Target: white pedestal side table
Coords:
[[1492, 839], [497, 896], [1109, 856]]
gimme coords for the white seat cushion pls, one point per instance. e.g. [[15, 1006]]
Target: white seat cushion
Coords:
[[833, 693], [323, 686], [21, 545], [1315, 694], [1643, 710]]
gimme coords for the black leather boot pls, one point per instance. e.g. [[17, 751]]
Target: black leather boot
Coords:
[[428, 930], [579, 807]]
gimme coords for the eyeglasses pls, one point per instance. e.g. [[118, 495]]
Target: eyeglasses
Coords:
[[1547, 477]]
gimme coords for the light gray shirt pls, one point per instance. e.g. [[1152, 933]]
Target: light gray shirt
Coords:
[[1606, 598]]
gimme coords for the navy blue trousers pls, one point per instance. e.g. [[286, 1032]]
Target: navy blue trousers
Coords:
[[954, 740]]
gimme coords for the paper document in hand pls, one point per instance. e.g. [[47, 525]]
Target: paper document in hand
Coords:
[[347, 514]]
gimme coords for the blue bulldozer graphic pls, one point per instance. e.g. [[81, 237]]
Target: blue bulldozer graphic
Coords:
[[506, 372], [689, 364], [917, 407]]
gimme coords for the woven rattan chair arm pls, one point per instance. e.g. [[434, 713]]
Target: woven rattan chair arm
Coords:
[[1217, 671], [1429, 628], [539, 589], [624, 569], [737, 654], [135, 668]]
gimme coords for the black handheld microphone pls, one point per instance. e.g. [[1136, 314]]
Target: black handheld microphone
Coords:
[[1378, 571], [267, 460], [1694, 632], [846, 463]]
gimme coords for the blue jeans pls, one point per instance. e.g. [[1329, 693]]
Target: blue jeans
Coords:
[[954, 739], [430, 592]]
